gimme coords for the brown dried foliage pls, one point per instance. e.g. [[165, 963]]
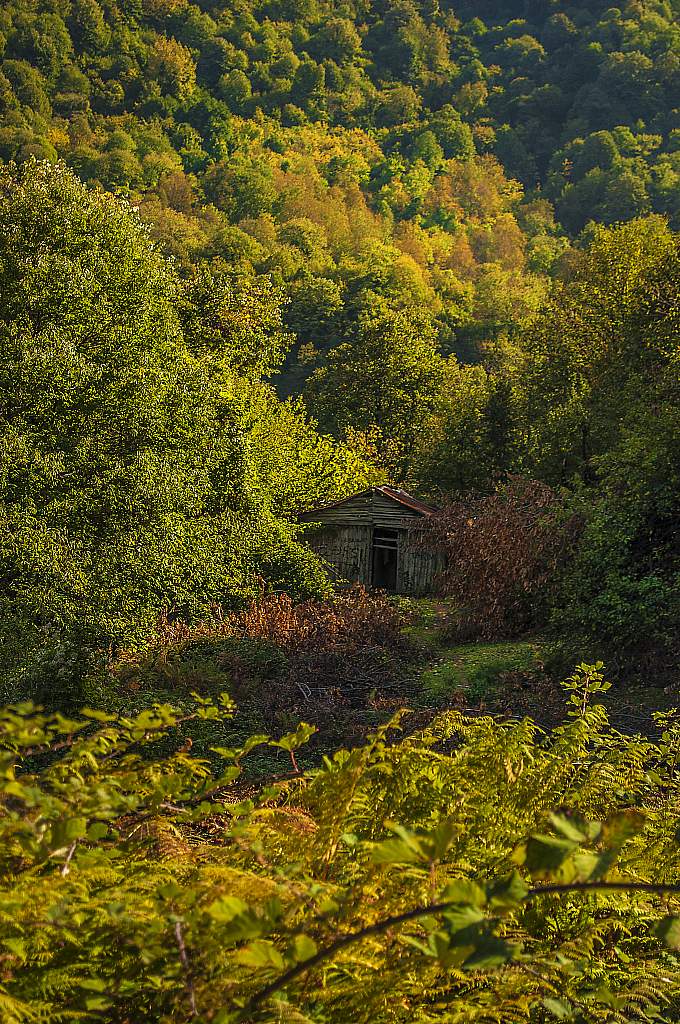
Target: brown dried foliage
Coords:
[[340, 655], [503, 552], [332, 663], [352, 617]]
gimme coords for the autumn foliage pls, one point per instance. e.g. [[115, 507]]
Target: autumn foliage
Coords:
[[502, 554], [327, 661]]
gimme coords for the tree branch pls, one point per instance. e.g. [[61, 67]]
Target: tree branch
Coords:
[[184, 960], [438, 908]]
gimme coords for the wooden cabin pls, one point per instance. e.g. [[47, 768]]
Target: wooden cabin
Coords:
[[367, 538]]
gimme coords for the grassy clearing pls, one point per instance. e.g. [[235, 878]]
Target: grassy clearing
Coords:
[[472, 669], [475, 668], [424, 622]]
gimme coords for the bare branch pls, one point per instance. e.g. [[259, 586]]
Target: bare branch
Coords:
[[184, 960], [71, 850]]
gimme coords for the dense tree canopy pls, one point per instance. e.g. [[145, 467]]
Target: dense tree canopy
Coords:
[[289, 139], [586, 399], [134, 481], [390, 211]]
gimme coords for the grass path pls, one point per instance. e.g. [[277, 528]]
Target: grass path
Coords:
[[474, 670], [508, 678]]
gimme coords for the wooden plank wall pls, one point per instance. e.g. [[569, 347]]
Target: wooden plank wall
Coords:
[[347, 548], [344, 537], [416, 569]]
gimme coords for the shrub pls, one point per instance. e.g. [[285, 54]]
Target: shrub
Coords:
[[280, 660], [474, 871], [502, 554]]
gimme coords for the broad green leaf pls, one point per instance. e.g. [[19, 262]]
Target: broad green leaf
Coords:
[[559, 1008], [459, 919], [464, 890], [226, 908], [293, 740], [508, 892], [668, 930], [567, 828], [303, 947], [397, 851], [441, 838], [544, 854], [260, 954], [97, 830]]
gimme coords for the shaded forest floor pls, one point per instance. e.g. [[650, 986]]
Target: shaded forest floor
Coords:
[[398, 656]]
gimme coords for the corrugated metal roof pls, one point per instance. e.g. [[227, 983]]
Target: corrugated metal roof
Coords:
[[395, 493], [404, 498]]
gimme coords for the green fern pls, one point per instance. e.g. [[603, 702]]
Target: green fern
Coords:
[[400, 882]]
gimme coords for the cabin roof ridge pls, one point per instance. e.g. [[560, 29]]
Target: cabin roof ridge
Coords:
[[396, 494]]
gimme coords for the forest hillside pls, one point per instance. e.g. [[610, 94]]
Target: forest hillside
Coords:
[[256, 257]]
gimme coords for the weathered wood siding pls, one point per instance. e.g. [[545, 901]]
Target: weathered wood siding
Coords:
[[365, 510], [343, 535], [416, 569], [347, 548]]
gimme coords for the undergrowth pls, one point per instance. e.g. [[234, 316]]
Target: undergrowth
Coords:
[[468, 872], [337, 663]]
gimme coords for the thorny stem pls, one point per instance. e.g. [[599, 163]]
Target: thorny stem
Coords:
[[71, 850], [184, 960], [437, 908]]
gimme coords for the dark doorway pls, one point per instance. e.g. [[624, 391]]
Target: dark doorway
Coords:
[[385, 558]]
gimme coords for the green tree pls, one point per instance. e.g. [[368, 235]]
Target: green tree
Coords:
[[601, 343], [172, 66], [452, 134], [28, 85], [338, 40], [235, 89], [474, 434], [235, 318], [385, 379], [602, 400], [126, 488], [88, 26]]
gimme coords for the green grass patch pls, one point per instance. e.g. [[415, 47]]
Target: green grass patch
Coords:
[[475, 668], [425, 621]]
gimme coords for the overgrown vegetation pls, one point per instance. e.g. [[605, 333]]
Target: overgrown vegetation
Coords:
[[340, 664], [503, 553], [472, 871], [150, 469], [147, 468], [255, 257]]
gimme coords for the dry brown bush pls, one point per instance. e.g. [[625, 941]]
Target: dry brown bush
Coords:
[[332, 663], [353, 616], [503, 552]]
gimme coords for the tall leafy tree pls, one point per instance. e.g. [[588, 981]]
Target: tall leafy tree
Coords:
[[386, 380], [601, 347], [125, 488]]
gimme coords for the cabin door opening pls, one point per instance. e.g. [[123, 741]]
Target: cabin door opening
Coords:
[[385, 559]]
